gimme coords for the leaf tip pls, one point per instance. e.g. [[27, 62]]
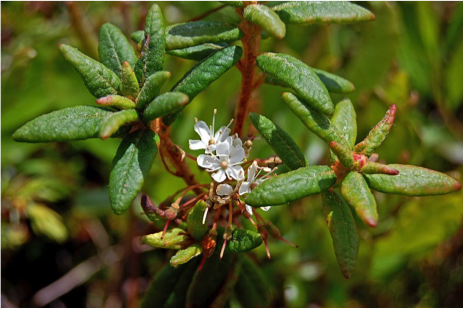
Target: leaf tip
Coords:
[[458, 186], [371, 222]]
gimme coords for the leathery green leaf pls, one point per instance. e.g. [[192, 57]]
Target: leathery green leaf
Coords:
[[195, 225], [153, 213], [212, 275], [114, 49], [378, 168], [165, 104], [243, 240], [185, 35], [138, 36], [298, 76], [292, 186], [204, 73], [131, 164], [198, 52], [99, 80], [413, 181], [185, 255], [342, 228], [173, 239], [130, 85], [113, 122], [151, 88], [378, 134], [344, 119], [169, 286], [334, 83], [358, 195], [116, 101], [153, 46], [266, 18], [317, 122], [280, 141], [252, 288], [311, 12], [69, 124], [343, 153]]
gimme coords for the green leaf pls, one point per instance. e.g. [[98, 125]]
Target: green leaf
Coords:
[[113, 122], [344, 119], [343, 153], [131, 164], [280, 141], [195, 225], [204, 73], [151, 88], [334, 83], [130, 85], [185, 255], [223, 296], [378, 168], [266, 18], [169, 286], [358, 195], [138, 36], [167, 103], [243, 241], [252, 288], [45, 221], [99, 80], [413, 181], [152, 55], [153, 213], [378, 134], [173, 239], [114, 49], [317, 122], [116, 101], [298, 76], [312, 12], [292, 186], [342, 228], [199, 52], [69, 124], [235, 4], [185, 35]]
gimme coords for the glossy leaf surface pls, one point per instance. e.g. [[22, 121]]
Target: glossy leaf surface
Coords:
[[344, 119], [184, 255], [265, 18], [113, 122], [130, 85], [334, 83], [173, 239], [151, 88], [195, 225], [198, 52], [116, 101], [167, 103], [244, 240]]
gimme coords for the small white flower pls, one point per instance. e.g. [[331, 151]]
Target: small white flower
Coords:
[[226, 163], [208, 138], [224, 190], [252, 181]]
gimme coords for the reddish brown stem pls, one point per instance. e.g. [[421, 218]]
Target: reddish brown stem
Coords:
[[208, 13]]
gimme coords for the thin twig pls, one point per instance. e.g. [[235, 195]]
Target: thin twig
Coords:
[[208, 13]]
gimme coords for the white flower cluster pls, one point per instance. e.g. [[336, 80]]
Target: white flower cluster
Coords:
[[223, 157]]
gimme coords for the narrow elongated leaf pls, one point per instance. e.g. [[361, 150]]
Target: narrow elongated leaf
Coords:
[[185, 35], [317, 122], [185, 255], [114, 49], [311, 12], [113, 122], [173, 239], [223, 296], [358, 195], [298, 76], [195, 225], [152, 55], [334, 83], [130, 85], [252, 288], [151, 88], [344, 119], [152, 212], [131, 164], [199, 52], [167, 103], [343, 153], [342, 228], [69, 124], [378, 133], [99, 80], [292, 186], [266, 18], [413, 181], [116, 101], [280, 141], [204, 73], [178, 295], [378, 168], [243, 241]]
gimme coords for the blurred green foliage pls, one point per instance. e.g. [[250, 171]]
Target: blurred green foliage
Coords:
[[55, 207]]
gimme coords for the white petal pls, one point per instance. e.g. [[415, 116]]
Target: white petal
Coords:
[[207, 161], [244, 188], [249, 208], [219, 176], [237, 142], [223, 149], [252, 171], [203, 130], [221, 134], [236, 172], [224, 189], [237, 154], [266, 208], [196, 144]]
